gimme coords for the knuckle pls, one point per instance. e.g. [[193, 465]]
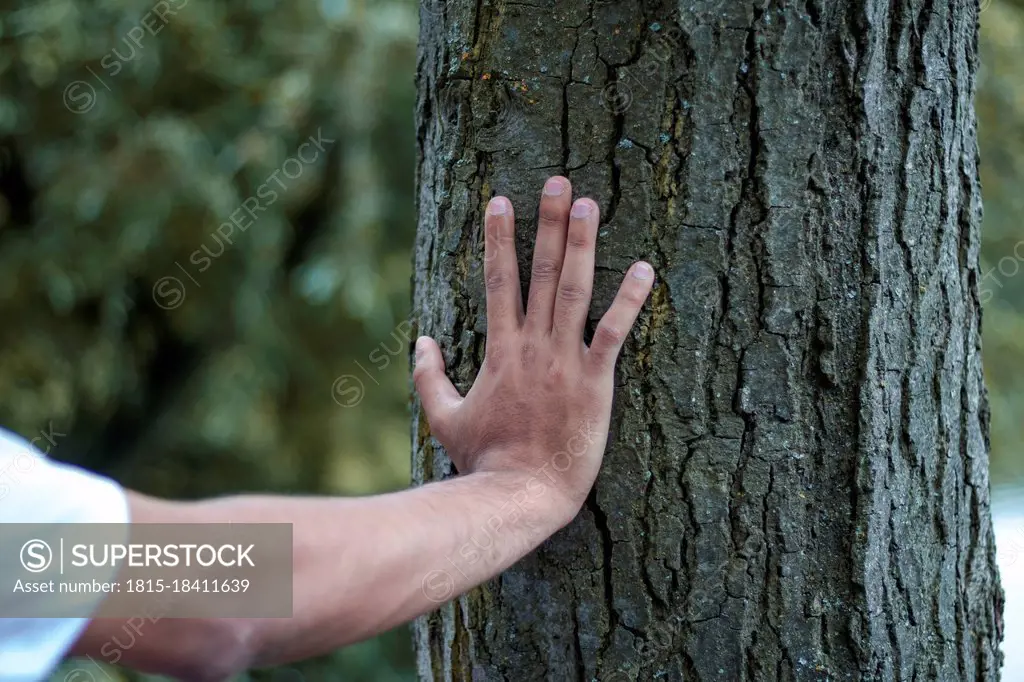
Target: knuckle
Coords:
[[556, 372], [634, 296], [419, 373], [579, 238], [551, 216], [571, 292], [546, 269], [608, 336], [496, 280]]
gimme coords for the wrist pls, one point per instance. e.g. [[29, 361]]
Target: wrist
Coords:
[[533, 493]]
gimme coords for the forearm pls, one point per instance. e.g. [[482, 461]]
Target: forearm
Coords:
[[365, 565], [361, 565]]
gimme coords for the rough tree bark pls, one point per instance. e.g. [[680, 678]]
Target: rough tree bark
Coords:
[[796, 486]]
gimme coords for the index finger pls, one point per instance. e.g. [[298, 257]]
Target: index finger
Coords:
[[612, 329]]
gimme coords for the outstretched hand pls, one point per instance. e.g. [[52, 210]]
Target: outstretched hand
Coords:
[[541, 402], [534, 424]]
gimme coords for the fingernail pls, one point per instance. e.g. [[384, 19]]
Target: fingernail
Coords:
[[498, 206], [554, 187], [581, 209], [421, 347], [643, 271]]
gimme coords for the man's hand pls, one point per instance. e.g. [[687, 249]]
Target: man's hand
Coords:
[[541, 392], [539, 410]]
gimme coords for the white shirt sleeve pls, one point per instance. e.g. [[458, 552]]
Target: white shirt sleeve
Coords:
[[35, 489]]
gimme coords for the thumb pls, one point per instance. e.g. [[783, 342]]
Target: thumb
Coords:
[[436, 392]]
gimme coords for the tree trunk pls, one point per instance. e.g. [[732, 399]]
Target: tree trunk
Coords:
[[796, 484]]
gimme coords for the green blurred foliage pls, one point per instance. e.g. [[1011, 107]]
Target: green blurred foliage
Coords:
[[1000, 105], [131, 130]]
